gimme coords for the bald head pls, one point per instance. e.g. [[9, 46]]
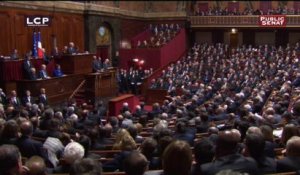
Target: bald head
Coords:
[[36, 165]]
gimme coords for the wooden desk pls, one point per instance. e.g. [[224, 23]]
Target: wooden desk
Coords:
[[11, 70], [115, 104], [102, 84], [155, 96], [76, 64], [57, 89]]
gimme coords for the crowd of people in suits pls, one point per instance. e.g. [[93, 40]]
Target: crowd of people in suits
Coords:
[[160, 35], [244, 103], [99, 66], [215, 11], [30, 73], [130, 80]]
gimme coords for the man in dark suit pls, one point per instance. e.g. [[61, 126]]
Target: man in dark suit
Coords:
[[71, 49], [14, 100], [28, 98], [106, 64], [29, 147], [43, 97], [228, 158], [27, 65], [46, 58], [292, 160], [15, 55], [96, 65], [183, 134], [43, 72], [32, 74], [2, 97]]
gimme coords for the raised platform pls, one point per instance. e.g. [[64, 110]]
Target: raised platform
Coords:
[[57, 89]]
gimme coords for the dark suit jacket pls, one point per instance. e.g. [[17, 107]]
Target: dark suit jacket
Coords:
[[235, 162], [96, 65], [29, 147], [116, 163], [26, 100], [288, 164], [43, 74], [71, 50], [26, 67], [43, 100], [16, 103], [32, 76]]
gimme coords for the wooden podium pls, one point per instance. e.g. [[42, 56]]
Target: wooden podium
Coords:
[[57, 89], [76, 64], [103, 84]]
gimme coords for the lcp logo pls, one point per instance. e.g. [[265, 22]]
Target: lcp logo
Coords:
[[37, 21]]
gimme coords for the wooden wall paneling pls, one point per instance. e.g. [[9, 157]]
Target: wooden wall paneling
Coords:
[[66, 27], [5, 31]]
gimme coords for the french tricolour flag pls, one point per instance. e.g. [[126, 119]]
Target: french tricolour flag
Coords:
[[39, 46], [34, 49]]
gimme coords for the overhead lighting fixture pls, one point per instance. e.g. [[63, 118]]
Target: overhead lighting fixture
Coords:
[[233, 30]]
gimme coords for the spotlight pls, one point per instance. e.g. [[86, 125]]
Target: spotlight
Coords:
[[142, 62], [233, 30]]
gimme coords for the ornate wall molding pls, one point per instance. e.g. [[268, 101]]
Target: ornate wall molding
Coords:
[[89, 8]]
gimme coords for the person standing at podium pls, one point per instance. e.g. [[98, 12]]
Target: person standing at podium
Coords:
[[106, 64], [14, 55], [96, 65], [72, 49]]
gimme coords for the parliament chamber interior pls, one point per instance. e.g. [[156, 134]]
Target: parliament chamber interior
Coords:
[[149, 87]]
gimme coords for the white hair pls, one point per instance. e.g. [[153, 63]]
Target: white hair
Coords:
[[74, 117], [73, 151]]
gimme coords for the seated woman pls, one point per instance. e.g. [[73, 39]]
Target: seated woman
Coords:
[[57, 71]]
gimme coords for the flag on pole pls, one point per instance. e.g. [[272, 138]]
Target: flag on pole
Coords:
[[39, 46], [34, 49]]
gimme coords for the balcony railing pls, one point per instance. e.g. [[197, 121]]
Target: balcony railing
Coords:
[[237, 21]]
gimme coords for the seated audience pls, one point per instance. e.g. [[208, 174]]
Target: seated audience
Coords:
[[255, 146], [291, 162], [228, 158], [10, 160], [135, 164], [86, 166], [29, 147], [177, 159], [72, 152], [204, 152], [36, 166]]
